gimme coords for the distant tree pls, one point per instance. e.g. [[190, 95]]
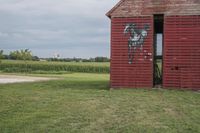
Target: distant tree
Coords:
[[21, 55], [1, 55], [13, 55], [26, 54], [35, 58], [102, 59], [6, 57]]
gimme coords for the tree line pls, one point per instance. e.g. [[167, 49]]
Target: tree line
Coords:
[[96, 59], [26, 54], [23, 54]]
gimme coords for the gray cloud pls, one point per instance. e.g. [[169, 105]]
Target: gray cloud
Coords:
[[73, 28]]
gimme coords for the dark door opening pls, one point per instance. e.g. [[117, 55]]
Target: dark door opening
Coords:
[[158, 49]]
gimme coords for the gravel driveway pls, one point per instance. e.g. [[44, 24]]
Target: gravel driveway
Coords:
[[4, 79]]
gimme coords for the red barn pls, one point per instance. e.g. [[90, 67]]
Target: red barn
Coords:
[[155, 43]]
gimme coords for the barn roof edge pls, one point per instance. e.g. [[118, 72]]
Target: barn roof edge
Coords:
[[108, 14]]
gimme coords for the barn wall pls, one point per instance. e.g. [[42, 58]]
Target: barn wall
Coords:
[[182, 52], [139, 74]]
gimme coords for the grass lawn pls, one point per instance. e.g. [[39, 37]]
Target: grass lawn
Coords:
[[83, 103]]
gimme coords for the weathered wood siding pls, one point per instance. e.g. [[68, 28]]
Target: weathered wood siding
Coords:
[[182, 52], [139, 74]]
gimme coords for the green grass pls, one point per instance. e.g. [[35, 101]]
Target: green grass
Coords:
[[82, 102]]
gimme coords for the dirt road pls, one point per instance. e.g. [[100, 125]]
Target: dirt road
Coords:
[[4, 79]]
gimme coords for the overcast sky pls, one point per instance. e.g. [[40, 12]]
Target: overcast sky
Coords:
[[72, 28]]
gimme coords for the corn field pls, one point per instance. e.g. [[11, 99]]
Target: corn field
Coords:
[[33, 66]]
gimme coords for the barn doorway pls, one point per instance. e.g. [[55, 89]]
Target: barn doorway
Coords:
[[158, 49]]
